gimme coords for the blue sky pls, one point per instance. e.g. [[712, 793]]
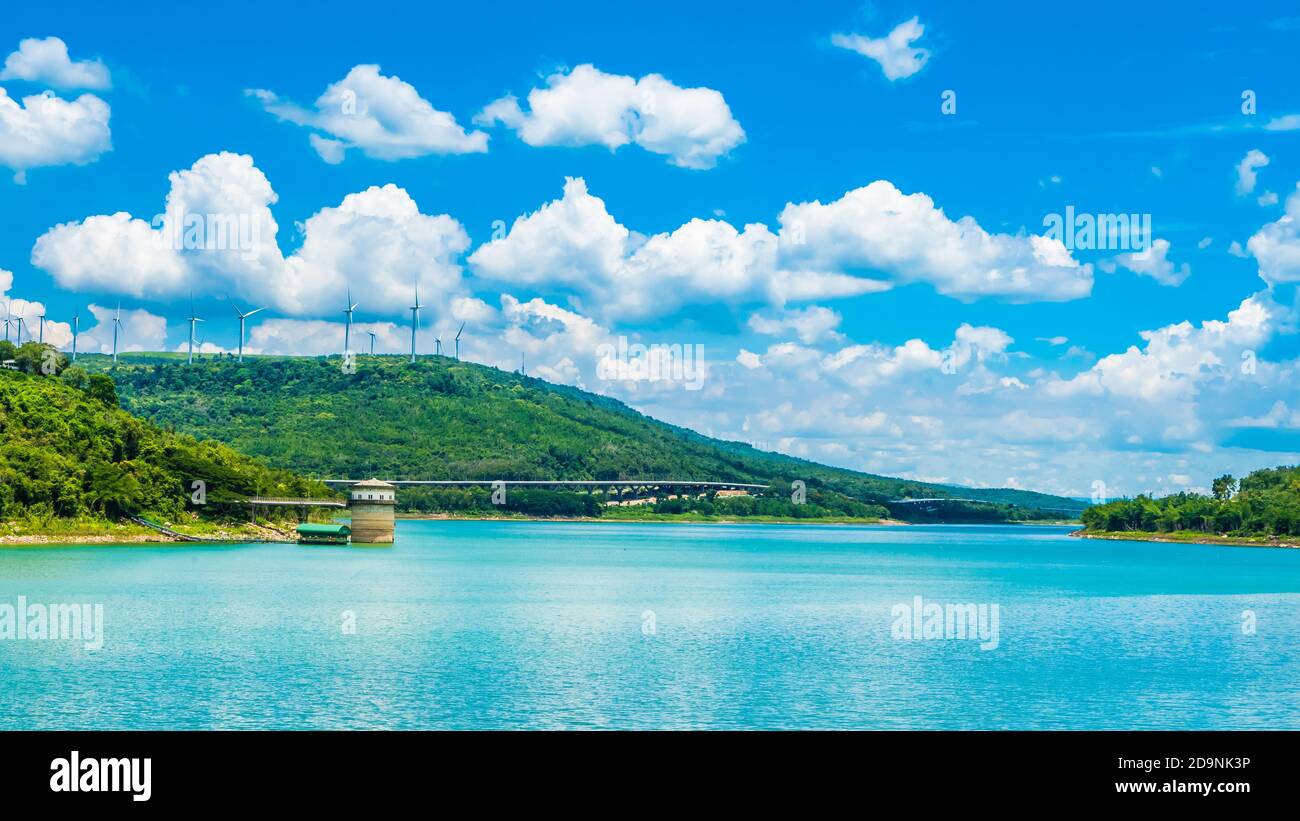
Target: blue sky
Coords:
[[743, 112]]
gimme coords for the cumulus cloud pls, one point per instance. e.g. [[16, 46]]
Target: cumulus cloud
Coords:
[[1178, 358], [140, 331], [44, 130], [897, 57], [217, 235], [808, 324], [878, 228], [693, 127], [1154, 262], [819, 252], [58, 334], [46, 61], [1276, 246], [384, 117], [574, 244], [1246, 170]]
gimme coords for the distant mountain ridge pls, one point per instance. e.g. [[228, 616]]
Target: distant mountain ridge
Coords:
[[446, 419]]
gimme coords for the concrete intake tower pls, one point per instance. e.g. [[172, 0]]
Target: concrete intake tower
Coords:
[[372, 503]]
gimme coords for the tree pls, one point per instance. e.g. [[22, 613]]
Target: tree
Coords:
[[113, 489], [37, 358], [101, 387], [1223, 487]]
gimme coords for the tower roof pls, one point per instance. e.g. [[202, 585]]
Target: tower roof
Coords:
[[373, 483]]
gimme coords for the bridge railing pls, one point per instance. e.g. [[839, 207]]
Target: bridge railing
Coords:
[[273, 501]]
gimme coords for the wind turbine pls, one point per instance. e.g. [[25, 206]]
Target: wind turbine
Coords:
[[242, 316], [437, 341], [8, 314], [76, 329], [458, 333], [347, 328], [20, 330], [117, 323], [372, 342], [523, 366], [193, 319], [415, 320]]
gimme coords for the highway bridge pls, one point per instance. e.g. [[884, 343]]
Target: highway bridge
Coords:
[[617, 488], [937, 499]]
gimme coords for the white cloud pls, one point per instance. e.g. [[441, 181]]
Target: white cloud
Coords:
[[44, 130], [808, 324], [586, 106], [1178, 358], [217, 235], [907, 237], [574, 244], [1154, 262], [1278, 416], [46, 61], [315, 337], [897, 57], [1276, 246], [57, 334], [1287, 122], [384, 117], [379, 241], [140, 331], [749, 359], [1246, 177]]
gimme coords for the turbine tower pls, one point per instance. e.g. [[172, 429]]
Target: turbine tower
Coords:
[[20, 330], [372, 342], [41, 341], [242, 316], [193, 319], [117, 323], [415, 320], [76, 328], [458, 333], [8, 314], [347, 327]]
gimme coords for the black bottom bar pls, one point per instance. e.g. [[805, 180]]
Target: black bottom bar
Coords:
[[363, 769]]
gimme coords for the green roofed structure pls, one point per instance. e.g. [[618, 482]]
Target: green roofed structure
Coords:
[[323, 534]]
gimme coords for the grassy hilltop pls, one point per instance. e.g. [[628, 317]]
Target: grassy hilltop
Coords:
[[444, 419]]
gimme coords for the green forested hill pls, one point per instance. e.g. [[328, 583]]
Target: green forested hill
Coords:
[[68, 451], [443, 419]]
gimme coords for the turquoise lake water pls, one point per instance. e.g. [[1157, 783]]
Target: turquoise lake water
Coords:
[[556, 625]]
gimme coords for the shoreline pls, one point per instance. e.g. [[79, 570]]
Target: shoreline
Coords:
[[139, 535], [250, 534], [1187, 537]]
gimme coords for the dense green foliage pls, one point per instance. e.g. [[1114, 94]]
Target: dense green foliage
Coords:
[[68, 451], [443, 419], [1264, 503]]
